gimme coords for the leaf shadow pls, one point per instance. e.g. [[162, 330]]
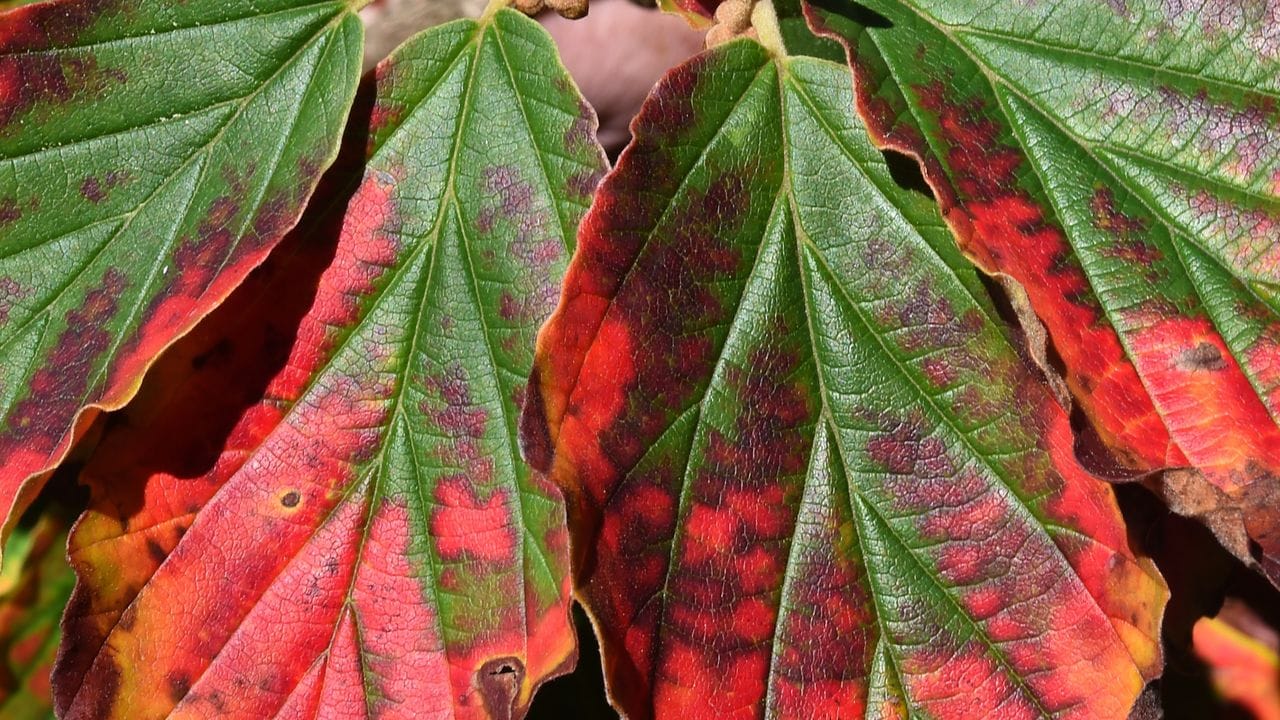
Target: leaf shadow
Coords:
[[182, 419]]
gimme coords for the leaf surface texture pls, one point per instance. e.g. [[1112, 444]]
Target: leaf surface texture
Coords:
[[808, 473], [361, 540]]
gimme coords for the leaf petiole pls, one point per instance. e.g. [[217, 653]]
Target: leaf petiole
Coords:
[[764, 19]]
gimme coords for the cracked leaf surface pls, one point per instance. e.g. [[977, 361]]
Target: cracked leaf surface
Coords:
[[1121, 162], [136, 194], [808, 473], [362, 539]]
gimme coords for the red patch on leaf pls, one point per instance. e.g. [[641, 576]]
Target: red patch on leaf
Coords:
[[37, 424], [463, 525]]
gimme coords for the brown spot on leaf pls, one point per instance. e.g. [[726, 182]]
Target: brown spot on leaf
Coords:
[[179, 686], [580, 135], [1205, 356], [291, 499], [499, 681], [9, 211], [95, 190], [156, 551], [41, 77]]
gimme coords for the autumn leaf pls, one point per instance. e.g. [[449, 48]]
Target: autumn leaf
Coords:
[[360, 537], [1245, 671], [808, 473], [151, 154], [1120, 162], [35, 582]]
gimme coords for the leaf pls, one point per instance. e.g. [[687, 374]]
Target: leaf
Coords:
[[808, 474], [1245, 671], [1122, 165], [151, 154], [698, 13], [35, 582], [360, 538]]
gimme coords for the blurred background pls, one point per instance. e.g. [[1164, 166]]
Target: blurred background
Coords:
[[616, 53]]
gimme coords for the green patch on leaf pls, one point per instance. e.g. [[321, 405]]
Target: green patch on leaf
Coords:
[[1121, 161], [151, 154], [339, 505], [809, 474]]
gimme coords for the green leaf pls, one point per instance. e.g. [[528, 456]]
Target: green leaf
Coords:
[[151, 154], [808, 473], [1122, 163], [359, 539]]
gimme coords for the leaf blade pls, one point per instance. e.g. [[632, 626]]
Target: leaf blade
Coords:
[[762, 338], [134, 197], [1129, 190], [427, 568]]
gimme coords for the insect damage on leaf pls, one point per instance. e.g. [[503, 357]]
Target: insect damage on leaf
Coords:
[[355, 404], [807, 472], [135, 196], [1130, 188]]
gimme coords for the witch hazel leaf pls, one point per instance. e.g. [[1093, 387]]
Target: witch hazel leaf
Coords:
[[35, 582], [319, 510], [134, 196], [1120, 163], [808, 473]]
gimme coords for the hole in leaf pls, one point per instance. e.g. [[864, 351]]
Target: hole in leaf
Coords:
[[499, 681], [905, 171]]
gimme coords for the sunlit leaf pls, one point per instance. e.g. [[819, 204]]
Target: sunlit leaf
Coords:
[[360, 538], [1120, 160], [808, 473], [151, 154]]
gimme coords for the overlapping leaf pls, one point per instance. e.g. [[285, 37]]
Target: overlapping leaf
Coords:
[[35, 582], [1122, 162], [151, 154], [361, 538], [809, 475]]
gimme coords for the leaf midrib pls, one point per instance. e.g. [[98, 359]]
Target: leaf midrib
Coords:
[[1018, 502], [198, 155], [998, 83]]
